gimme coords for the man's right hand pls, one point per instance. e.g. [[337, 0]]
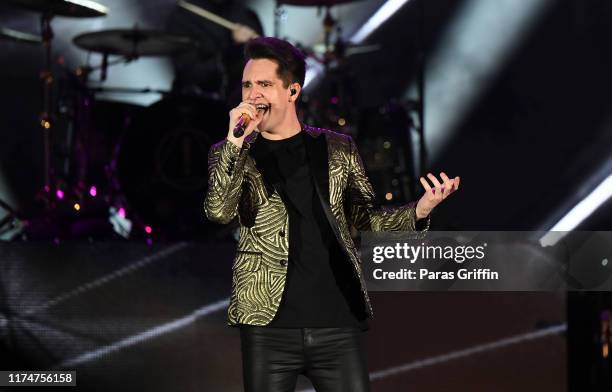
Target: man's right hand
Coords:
[[234, 115], [242, 33]]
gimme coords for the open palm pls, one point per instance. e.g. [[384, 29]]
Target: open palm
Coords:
[[436, 193]]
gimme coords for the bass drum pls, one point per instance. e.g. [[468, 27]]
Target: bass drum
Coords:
[[162, 165]]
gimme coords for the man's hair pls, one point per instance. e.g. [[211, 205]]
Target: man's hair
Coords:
[[291, 61]]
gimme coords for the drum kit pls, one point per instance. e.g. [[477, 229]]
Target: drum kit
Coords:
[[142, 169]]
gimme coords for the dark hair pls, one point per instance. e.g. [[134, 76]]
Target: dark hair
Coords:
[[291, 61]]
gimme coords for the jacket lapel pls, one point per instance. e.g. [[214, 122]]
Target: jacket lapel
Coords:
[[316, 151]]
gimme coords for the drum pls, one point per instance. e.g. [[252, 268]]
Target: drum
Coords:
[[161, 164]]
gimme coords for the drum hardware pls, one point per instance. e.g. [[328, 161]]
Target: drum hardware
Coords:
[[329, 24], [18, 36], [159, 166], [335, 108], [133, 43], [157, 181], [48, 9], [139, 142], [130, 45], [279, 12], [127, 90]]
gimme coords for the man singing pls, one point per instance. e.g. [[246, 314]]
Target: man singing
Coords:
[[298, 292]]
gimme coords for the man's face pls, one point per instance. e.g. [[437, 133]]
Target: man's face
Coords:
[[261, 85]]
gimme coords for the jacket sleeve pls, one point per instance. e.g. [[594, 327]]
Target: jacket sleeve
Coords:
[[366, 215], [225, 175]]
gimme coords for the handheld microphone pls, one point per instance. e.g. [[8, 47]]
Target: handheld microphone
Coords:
[[241, 125]]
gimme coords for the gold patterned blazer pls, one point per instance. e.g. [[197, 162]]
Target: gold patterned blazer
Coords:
[[237, 188]]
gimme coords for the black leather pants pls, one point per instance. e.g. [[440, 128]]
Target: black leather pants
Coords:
[[334, 359]]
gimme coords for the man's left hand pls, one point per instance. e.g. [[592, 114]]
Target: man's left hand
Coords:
[[434, 195]]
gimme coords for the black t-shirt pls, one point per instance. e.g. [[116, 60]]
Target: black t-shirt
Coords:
[[322, 289]]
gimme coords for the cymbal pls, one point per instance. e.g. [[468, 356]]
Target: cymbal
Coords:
[[73, 8], [133, 42], [317, 3], [19, 36]]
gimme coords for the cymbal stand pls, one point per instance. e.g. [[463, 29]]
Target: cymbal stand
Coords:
[[46, 118], [279, 15]]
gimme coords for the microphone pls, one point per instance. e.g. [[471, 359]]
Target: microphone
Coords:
[[241, 125]]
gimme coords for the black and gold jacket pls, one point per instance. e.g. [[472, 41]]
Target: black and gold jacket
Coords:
[[237, 188]]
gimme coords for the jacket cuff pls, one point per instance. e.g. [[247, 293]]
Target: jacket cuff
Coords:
[[231, 157], [421, 225]]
